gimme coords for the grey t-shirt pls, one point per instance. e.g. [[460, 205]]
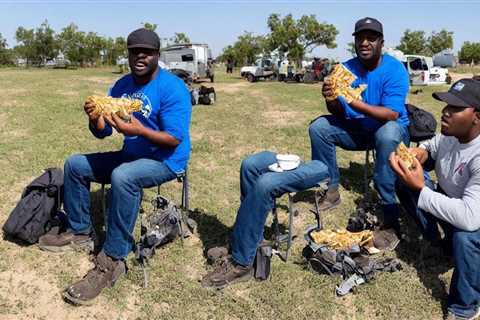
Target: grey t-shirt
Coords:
[[457, 167]]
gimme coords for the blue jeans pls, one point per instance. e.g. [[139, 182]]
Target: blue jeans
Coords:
[[127, 178], [328, 132], [259, 187], [464, 296]]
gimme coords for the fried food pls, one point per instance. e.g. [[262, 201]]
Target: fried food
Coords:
[[342, 239], [404, 153], [123, 107], [341, 80]]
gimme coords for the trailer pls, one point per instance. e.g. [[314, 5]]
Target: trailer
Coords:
[[193, 58]]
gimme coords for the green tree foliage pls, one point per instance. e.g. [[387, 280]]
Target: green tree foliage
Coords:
[[351, 48], [416, 42], [180, 37], [470, 52], [297, 37], [413, 42], [150, 26], [6, 55], [26, 44], [245, 49], [71, 42], [46, 46], [439, 41]]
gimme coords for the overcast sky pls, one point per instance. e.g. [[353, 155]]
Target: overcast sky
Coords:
[[218, 23]]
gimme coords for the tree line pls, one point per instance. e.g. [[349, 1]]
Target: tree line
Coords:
[[295, 37], [38, 45]]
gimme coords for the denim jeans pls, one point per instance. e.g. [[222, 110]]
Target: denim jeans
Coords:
[[464, 296], [328, 132], [127, 178], [259, 187]]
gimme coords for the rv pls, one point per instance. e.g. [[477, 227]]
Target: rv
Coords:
[[192, 58]]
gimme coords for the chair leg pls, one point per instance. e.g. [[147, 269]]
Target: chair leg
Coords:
[[365, 174], [290, 225], [185, 204]]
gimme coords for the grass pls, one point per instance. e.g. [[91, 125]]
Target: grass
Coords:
[[42, 122]]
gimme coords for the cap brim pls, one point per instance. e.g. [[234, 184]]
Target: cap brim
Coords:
[[366, 28], [450, 99], [144, 46]]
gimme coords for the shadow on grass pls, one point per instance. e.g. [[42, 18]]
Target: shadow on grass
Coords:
[[430, 262], [211, 231]]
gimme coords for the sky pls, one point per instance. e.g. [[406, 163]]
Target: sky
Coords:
[[219, 23]]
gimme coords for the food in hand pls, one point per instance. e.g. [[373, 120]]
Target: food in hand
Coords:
[[123, 107], [342, 239], [405, 155], [341, 80]]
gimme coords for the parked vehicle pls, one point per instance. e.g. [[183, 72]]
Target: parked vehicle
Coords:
[[264, 68], [445, 59], [422, 72], [194, 58]]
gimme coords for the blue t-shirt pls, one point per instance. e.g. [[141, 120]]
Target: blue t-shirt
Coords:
[[387, 86], [166, 107]]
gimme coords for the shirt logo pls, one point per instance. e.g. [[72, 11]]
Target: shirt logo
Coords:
[[147, 105], [459, 86], [460, 168]]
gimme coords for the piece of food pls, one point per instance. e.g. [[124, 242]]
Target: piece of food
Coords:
[[342, 239], [341, 80], [404, 153], [123, 107]]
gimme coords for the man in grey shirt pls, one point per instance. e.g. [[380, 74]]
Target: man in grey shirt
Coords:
[[455, 202]]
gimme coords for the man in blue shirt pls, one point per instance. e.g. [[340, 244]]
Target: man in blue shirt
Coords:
[[156, 149], [379, 121]]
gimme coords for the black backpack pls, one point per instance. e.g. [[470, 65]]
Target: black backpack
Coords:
[[40, 202], [422, 124]]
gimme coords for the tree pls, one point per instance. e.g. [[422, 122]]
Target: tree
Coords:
[[470, 52], [245, 49], [26, 47], [439, 41], [46, 46], [150, 26], [296, 37], [6, 56], [180, 37], [351, 49], [71, 43], [413, 42]]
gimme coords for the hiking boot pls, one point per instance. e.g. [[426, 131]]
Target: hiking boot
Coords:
[[225, 273], [57, 242], [330, 200], [105, 273]]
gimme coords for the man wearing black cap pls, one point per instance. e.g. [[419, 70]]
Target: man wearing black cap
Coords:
[[455, 203], [156, 149], [378, 121]]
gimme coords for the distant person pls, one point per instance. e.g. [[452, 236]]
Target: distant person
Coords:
[[229, 66], [156, 149], [455, 203], [379, 121]]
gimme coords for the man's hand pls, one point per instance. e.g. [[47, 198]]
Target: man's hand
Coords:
[[88, 107], [327, 89], [132, 128], [420, 153], [413, 178]]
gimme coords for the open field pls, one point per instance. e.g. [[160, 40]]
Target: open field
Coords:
[[42, 122]]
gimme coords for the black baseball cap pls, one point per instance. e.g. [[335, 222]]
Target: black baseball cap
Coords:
[[143, 38], [368, 24], [463, 93]]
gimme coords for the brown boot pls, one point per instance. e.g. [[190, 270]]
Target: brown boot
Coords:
[[330, 200], [105, 273], [227, 272], [57, 242]]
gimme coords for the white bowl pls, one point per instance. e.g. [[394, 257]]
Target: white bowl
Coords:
[[288, 161]]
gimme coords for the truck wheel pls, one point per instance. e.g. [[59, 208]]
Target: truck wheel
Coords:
[[250, 77], [281, 77]]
